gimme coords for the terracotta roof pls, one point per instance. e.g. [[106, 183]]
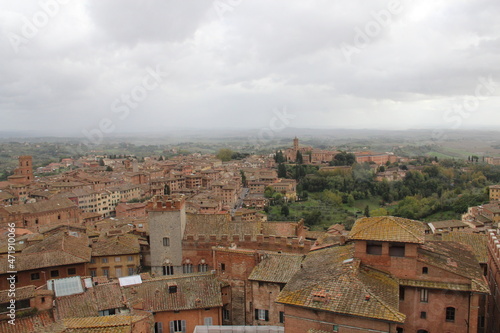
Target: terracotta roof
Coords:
[[31, 324], [193, 292], [276, 268], [478, 243], [42, 206], [218, 224], [448, 224], [108, 296], [455, 258], [389, 229], [76, 306], [117, 245], [329, 280], [26, 292], [283, 229], [56, 250], [435, 285], [111, 324], [101, 297]]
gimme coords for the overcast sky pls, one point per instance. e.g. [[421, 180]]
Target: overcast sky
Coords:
[[118, 66]]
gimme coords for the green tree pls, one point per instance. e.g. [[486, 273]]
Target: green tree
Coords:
[[367, 211], [269, 192], [279, 157], [285, 211], [350, 200], [224, 154], [281, 170], [379, 212], [101, 162], [299, 159]]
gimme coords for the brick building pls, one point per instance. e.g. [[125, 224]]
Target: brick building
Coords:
[[179, 303], [495, 193], [38, 214], [493, 317], [23, 174], [388, 279], [115, 256], [57, 256], [267, 279]]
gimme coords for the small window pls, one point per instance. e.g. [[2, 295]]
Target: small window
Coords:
[[54, 273], [35, 276], [130, 258], [71, 271], [104, 260], [92, 260], [177, 326], [159, 327], [131, 271], [118, 259], [225, 314], [202, 268], [282, 317], [93, 273], [397, 250], [335, 328], [172, 289], [187, 268], [223, 267], [401, 293], [423, 315], [118, 271], [424, 295], [425, 270], [399, 330], [59, 216], [105, 272], [166, 241], [261, 314], [450, 314]]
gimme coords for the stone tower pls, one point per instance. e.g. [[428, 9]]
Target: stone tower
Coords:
[[167, 222], [296, 144]]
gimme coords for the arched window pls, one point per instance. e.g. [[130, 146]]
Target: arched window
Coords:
[[422, 331], [450, 313], [202, 266], [187, 266]]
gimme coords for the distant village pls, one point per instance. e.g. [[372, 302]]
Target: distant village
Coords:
[[183, 245]]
